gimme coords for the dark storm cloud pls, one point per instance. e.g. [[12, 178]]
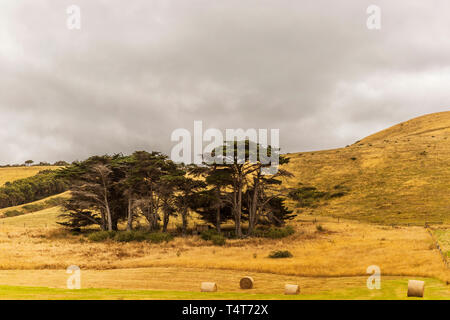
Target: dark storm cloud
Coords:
[[138, 70]]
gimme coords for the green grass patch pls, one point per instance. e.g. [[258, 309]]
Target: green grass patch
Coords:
[[390, 290]]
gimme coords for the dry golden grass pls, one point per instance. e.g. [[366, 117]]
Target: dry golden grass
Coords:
[[346, 248], [15, 173], [398, 176]]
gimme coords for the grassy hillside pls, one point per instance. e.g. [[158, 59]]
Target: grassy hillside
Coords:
[[51, 202], [11, 174], [400, 175]]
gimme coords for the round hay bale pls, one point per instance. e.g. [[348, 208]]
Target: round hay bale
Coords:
[[246, 283], [208, 287], [291, 289], [416, 288]]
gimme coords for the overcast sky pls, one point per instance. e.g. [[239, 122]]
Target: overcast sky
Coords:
[[139, 69]]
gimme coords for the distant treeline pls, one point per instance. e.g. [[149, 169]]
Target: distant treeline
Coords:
[[46, 183], [30, 163]]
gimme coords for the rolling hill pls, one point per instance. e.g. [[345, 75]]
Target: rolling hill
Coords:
[[10, 174], [400, 175]]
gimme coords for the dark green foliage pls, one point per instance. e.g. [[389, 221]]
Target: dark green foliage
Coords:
[[276, 213], [214, 236], [280, 254], [208, 234], [46, 183], [107, 190], [218, 240], [157, 237], [92, 181], [128, 236], [273, 232], [307, 196], [53, 202], [61, 163], [100, 236], [13, 213], [206, 203]]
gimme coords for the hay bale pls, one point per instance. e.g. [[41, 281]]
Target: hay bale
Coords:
[[416, 288], [208, 287], [246, 283], [291, 289]]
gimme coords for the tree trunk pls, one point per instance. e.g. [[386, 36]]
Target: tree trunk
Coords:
[[114, 225], [238, 228], [239, 212], [104, 221], [153, 222], [130, 216], [185, 221], [165, 221], [218, 219], [108, 215], [253, 205]]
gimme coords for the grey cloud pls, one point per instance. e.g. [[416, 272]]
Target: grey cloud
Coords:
[[138, 70]]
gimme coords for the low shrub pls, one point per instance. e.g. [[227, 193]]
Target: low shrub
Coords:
[[33, 207], [209, 234], [320, 228], [311, 197], [218, 240], [13, 213], [274, 232], [158, 237], [101, 236], [214, 236], [128, 236], [280, 254]]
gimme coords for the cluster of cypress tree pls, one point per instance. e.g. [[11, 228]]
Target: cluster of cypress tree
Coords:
[[108, 189]]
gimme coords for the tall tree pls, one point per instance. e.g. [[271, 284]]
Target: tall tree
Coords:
[[261, 192], [237, 162], [187, 190], [149, 172], [95, 193]]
